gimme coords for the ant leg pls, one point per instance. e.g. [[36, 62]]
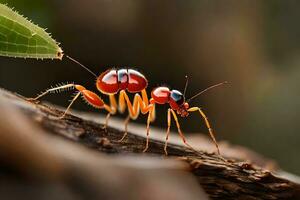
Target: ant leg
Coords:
[[210, 130], [168, 131], [55, 89], [113, 104], [68, 108], [139, 105], [90, 97], [180, 132], [149, 119], [106, 121], [148, 131], [126, 122], [113, 109], [59, 89]]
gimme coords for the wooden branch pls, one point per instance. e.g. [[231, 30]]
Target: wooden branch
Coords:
[[220, 179]]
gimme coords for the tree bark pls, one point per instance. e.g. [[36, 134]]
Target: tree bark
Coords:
[[33, 144]]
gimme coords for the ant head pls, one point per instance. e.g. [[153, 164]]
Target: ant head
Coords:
[[177, 102], [177, 99]]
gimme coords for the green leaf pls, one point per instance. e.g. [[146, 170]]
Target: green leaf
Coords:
[[21, 38]]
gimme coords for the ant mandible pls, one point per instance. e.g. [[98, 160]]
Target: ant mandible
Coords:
[[114, 81]]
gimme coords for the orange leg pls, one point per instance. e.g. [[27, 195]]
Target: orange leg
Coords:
[[90, 97], [210, 130], [93, 99], [126, 122], [140, 104], [113, 104], [149, 119], [113, 109], [168, 131], [180, 132]]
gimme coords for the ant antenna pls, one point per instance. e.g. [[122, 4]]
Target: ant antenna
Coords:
[[205, 90], [77, 62], [186, 84]]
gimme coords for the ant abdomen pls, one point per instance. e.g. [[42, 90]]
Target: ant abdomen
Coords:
[[113, 80]]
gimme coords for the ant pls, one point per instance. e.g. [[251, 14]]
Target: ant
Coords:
[[114, 81]]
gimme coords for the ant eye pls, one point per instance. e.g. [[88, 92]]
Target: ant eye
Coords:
[[177, 97]]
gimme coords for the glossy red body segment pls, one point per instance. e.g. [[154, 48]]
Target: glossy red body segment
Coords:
[[92, 98], [107, 82], [161, 95], [136, 81], [112, 81], [173, 104], [123, 79]]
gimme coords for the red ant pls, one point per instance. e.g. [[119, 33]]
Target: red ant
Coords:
[[115, 81]]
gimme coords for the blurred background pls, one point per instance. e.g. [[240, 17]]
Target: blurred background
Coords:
[[255, 45]]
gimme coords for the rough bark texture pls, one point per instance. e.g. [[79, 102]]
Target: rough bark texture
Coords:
[[41, 155]]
